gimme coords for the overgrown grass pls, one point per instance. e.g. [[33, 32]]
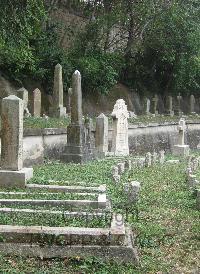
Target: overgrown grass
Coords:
[[32, 122], [165, 220]]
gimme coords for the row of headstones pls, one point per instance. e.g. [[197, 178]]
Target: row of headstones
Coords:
[[170, 109], [149, 160], [193, 183]]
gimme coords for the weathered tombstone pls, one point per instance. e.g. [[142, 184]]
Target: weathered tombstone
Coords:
[[170, 111], [148, 105], [192, 104], [76, 150], [128, 164], [155, 104], [132, 190], [115, 174], [148, 159], [154, 158], [36, 103], [69, 94], [88, 135], [181, 149], [12, 173], [57, 110], [161, 156], [101, 135], [120, 117], [121, 168], [23, 94], [178, 110]]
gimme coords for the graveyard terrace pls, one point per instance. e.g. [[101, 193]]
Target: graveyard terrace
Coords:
[[143, 138]]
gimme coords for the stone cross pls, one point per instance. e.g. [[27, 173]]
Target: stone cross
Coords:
[[76, 99], [36, 103], [12, 133], [181, 128], [58, 110], [120, 117], [101, 134], [170, 111], [155, 104], [192, 104], [148, 105]]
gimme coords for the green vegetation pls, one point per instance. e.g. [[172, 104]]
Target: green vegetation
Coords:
[[165, 220], [153, 47], [32, 122]]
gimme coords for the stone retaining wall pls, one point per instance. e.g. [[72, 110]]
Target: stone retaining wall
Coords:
[[50, 143]]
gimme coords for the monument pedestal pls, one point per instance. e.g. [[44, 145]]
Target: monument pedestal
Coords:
[[181, 150], [77, 150], [58, 112], [10, 178]]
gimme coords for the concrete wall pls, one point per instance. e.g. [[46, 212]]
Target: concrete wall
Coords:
[[50, 143]]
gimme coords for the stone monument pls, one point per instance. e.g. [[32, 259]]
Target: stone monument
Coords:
[[181, 149], [12, 173], [192, 104], [36, 103], [148, 105], [76, 150], [120, 117], [170, 111], [23, 94], [101, 135], [178, 110], [57, 110], [155, 104]]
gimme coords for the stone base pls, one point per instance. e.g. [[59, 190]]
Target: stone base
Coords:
[[58, 113], [125, 253], [183, 150], [9, 178]]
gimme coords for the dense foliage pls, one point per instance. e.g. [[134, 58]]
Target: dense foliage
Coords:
[[151, 46]]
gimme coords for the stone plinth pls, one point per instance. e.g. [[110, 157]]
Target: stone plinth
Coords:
[[9, 178], [181, 150], [75, 151]]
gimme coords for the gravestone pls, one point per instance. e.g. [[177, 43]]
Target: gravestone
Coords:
[[68, 104], [36, 103], [161, 156], [12, 173], [76, 150], [155, 104], [132, 190], [154, 158], [170, 111], [23, 94], [57, 110], [101, 135], [148, 159], [181, 149], [192, 104], [148, 106], [120, 117], [178, 108]]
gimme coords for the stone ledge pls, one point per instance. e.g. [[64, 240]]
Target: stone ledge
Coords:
[[9, 178], [125, 252]]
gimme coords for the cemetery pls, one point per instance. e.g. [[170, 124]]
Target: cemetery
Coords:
[[80, 190], [99, 137]]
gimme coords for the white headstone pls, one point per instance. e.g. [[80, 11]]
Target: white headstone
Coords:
[[120, 117]]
